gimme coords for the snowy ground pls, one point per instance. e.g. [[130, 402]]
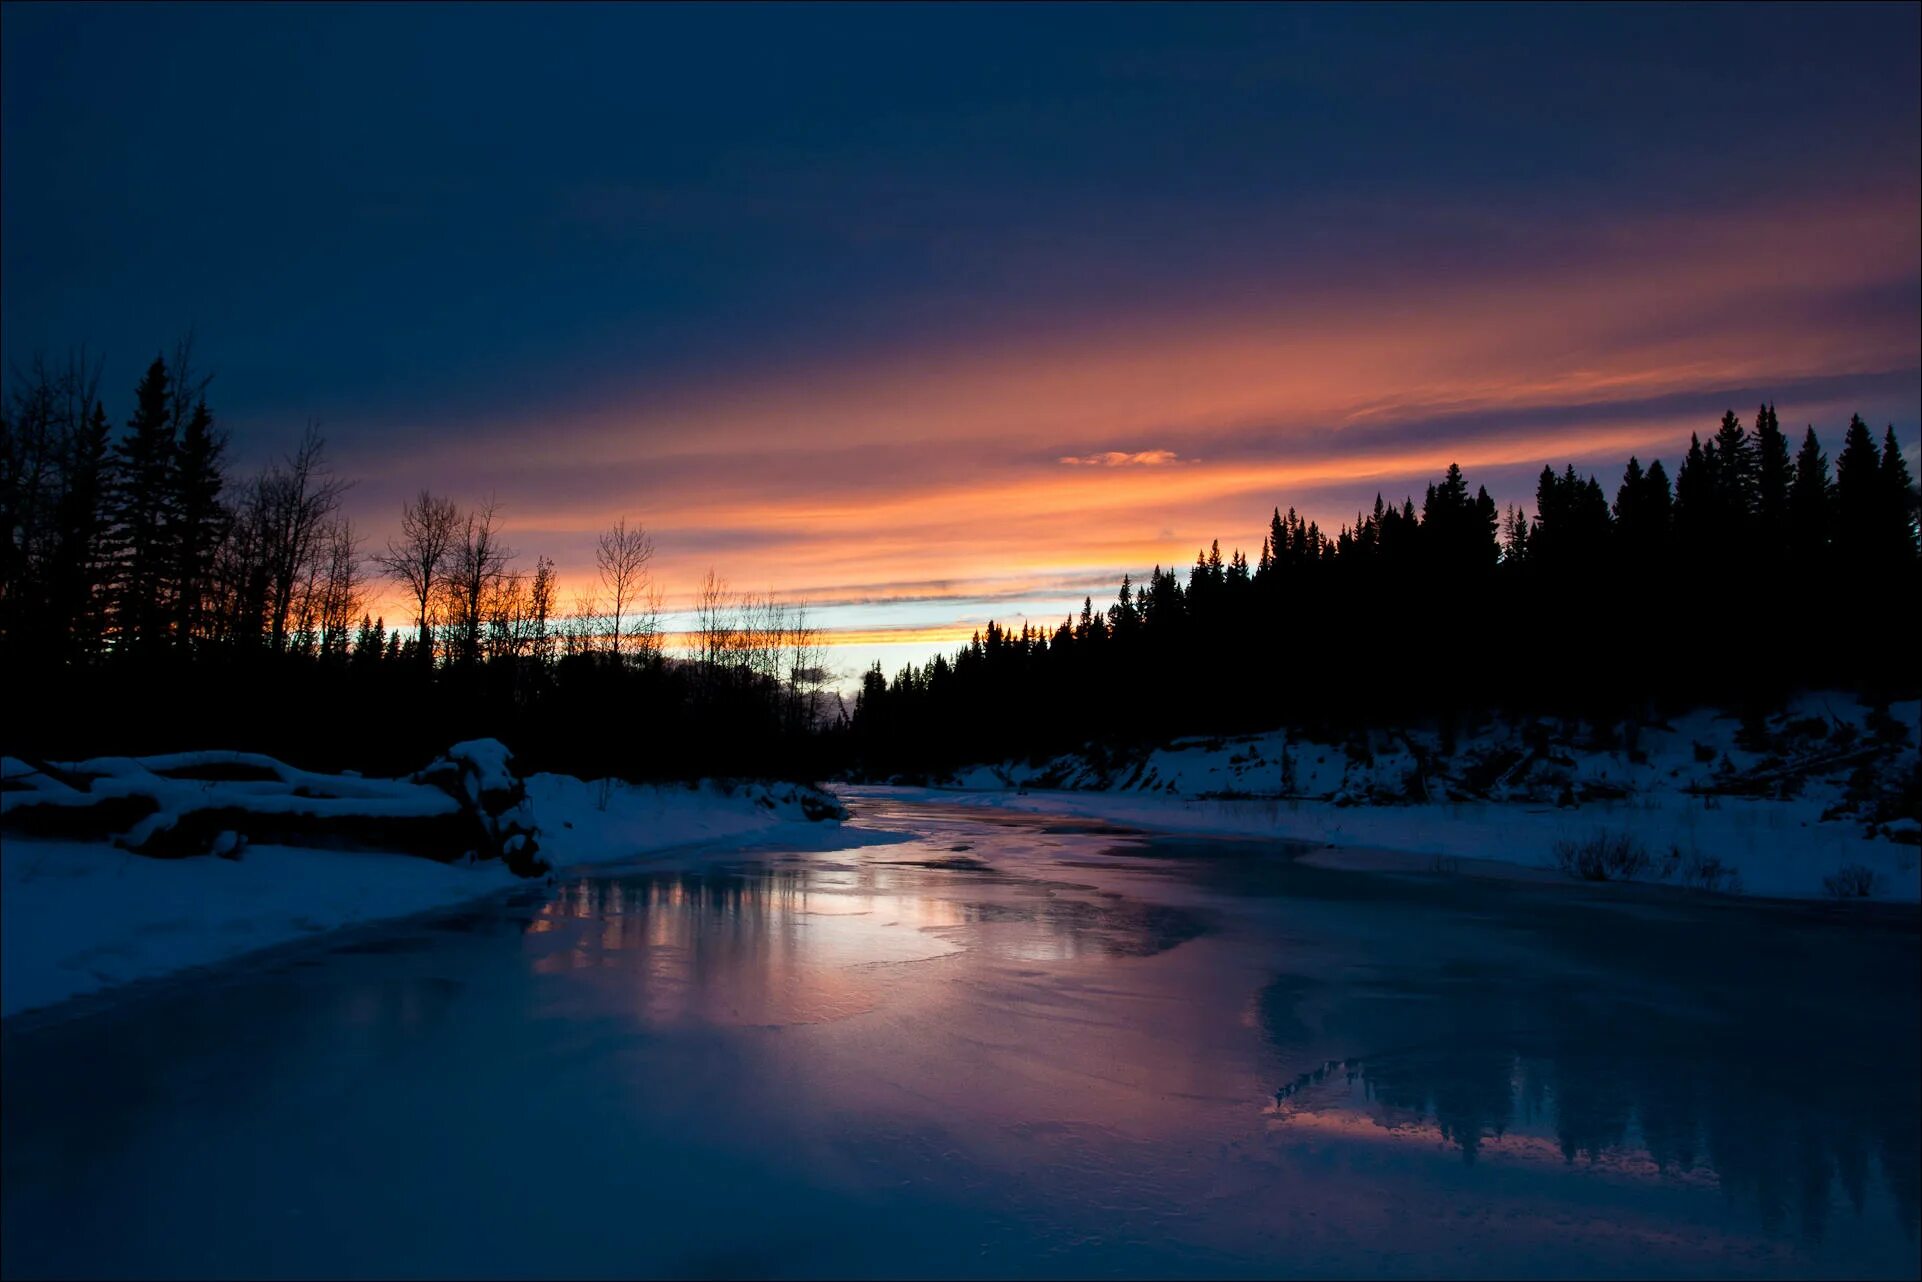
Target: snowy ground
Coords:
[[77, 917], [1784, 811]]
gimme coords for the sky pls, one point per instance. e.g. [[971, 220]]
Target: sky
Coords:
[[926, 315]]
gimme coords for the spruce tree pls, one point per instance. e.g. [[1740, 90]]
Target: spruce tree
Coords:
[[1858, 498], [1774, 478], [142, 510], [1641, 511], [1628, 495], [1811, 502], [74, 596], [1514, 537], [1694, 499], [1898, 502], [1658, 503], [201, 519], [1735, 473]]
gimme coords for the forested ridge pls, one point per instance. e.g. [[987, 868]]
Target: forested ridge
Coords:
[[1757, 570]]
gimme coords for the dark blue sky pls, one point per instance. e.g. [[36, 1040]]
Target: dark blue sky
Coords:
[[435, 227]]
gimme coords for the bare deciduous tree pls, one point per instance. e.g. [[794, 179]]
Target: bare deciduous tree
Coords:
[[52, 544], [578, 628], [292, 507], [807, 673], [713, 624], [540, 607], [418, 558], [476, 565], [341, 587], [622, 556]]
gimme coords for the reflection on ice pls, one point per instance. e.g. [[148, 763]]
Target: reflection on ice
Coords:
[[765, 926], [1500, 1070]]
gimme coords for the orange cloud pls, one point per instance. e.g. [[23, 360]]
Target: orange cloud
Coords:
[[1120, 458]]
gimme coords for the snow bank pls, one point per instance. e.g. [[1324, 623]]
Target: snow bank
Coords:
[[80, 916], [606, 821], [1787, 804], [1778, 850]]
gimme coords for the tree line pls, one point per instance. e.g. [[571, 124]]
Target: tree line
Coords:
[[1754, 572], [151, 599]]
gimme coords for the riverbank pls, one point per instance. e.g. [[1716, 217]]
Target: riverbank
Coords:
[[1773, 849], [79, 917]]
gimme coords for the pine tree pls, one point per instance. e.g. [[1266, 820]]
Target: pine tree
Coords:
[[1694, 498], [370, 642], [1811, 502], [74, 592], [1515, 537], [1858, 498], [201, 519], [143, 511], [1628, 495], [1898, 502], [1483, 544], [1735, 474], [1657, 503], [1774, 479]]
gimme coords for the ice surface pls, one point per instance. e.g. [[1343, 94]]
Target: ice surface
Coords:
[[1005, 1046]]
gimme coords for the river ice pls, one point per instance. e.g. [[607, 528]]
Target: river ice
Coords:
[[1004, 1044]]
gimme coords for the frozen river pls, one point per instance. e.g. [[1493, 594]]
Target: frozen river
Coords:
[[1004, 1045]]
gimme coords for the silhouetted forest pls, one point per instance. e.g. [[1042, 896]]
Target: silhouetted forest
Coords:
[[1755, 572], [150, 600]]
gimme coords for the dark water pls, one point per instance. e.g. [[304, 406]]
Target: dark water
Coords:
[[1006, 1046]]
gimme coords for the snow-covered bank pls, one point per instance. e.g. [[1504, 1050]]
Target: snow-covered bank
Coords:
[[595, 822], [1784, 805], [1771, 847], [80, 916]]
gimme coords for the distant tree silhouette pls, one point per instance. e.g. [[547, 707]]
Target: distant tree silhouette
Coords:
[[621, 556], [473, 571], [1898, 505], [1733, 465], [1811, 502], [417, 560], [201, 520], [1774, 479], [1861, 502], [76, 603]]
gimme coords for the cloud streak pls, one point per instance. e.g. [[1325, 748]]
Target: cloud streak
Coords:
[[1120, 458]]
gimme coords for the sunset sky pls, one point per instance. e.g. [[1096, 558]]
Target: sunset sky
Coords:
[[931, 314]]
